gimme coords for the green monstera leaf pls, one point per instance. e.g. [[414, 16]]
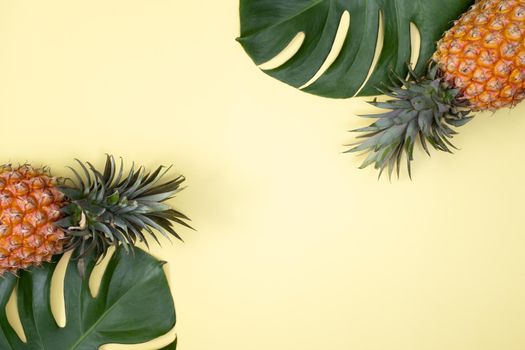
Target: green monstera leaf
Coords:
[[133, 305], [268, 26], [172, 346]]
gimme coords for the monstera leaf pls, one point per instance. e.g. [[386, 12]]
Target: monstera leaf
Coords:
[[172, 346], [268, 26], [133, 305]]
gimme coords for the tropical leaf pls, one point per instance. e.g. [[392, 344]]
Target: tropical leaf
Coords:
[[172, 346], [133, 305], [268, 26]]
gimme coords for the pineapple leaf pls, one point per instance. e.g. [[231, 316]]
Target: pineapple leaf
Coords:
[[426, 117], [133, 305], [112, 199], [269, 26]]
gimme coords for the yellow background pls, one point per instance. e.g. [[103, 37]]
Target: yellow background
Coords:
[[295, 248]]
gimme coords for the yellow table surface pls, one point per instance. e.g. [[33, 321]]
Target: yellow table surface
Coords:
[[295, 247]]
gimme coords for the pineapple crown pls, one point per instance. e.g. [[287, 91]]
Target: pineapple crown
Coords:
[[112, 208], [424, 109]]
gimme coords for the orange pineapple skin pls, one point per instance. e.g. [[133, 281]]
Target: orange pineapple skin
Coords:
[[29, 205], [483, 55]]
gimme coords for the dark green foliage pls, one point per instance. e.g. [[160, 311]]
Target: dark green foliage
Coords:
[[171, 346], [423, 109], [133, 305], [117, 208], [268, 26]]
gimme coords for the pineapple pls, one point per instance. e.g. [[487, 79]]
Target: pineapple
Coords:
[[42, 216], [479, 65]]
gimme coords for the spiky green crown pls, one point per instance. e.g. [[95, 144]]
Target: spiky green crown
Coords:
[[113, 208], [422, 108]]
